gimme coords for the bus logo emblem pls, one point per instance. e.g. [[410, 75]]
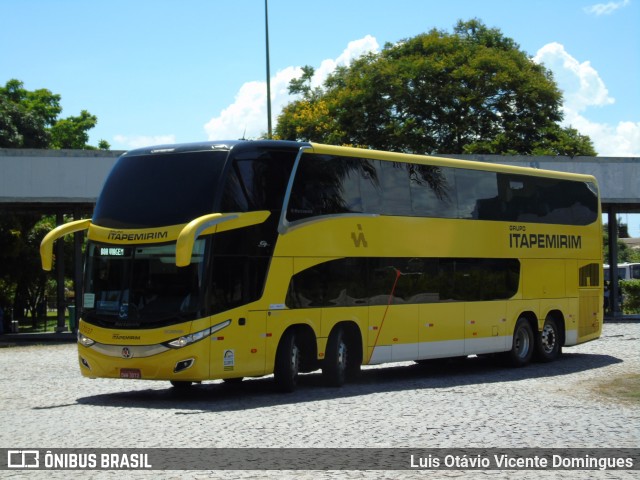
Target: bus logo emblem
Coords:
[[23, 458], [358, 239], [126, 353]]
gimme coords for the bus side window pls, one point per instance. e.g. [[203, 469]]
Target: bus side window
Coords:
[[328, 185], [394, 179], [257, 181], [477, 194], [431, 190]]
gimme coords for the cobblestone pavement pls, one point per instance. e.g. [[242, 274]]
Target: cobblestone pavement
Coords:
[[45, 403]]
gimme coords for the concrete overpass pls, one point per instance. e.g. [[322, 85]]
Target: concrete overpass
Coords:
[[55, 182], [68, 182], [50, 180]]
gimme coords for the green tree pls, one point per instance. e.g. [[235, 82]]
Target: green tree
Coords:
[[21, 275], [470, 91], [30, 119], [565, 141], [72, 132], [631, 295], [25, 117], [625, 254]]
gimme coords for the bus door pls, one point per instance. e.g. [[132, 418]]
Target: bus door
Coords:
[[239, 349]]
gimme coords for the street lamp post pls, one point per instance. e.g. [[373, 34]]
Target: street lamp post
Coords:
[[266, 28]]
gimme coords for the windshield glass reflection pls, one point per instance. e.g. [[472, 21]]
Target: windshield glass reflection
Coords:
[[141, 287]]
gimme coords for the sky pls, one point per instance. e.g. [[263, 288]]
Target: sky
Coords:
[[173, 71]]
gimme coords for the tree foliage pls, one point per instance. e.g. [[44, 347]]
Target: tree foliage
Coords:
[[625, 254], [470, 91], [30, 119], [631, 295], [22, 278], [72, 132]]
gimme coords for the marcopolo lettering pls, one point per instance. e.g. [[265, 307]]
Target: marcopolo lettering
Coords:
[[136, 237], [542, 240]]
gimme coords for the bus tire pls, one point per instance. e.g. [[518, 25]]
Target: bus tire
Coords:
[[233, 381], [523, 344], [548, 346], [287, 365], [334, 365], [181, 384]]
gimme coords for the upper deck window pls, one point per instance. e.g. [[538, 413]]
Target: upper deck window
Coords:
[[333, 185], [257, 180]]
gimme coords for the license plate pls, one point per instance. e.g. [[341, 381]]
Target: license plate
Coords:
[[130, 373]]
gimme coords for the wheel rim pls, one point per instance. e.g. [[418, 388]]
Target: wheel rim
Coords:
[[342, 357], [548, 338], [295, 361], [523, 343]]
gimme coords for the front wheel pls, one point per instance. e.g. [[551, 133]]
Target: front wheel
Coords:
[[287, 366], [523, 344], [233, 381], [181, 384], [548, 346]]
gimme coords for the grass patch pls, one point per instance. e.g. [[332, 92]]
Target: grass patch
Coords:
[[40, 325], [622, 387]]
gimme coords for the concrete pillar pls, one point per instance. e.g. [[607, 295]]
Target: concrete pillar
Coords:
[[614, 288], [61, 304], [78, 239]]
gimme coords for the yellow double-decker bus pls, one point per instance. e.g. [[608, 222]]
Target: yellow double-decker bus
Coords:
[[225, 260]]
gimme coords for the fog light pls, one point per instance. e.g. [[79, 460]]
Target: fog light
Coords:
[[183, 365], [85, 363]]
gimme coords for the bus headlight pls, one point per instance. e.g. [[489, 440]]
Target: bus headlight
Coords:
[[197, 336], [84, 340]]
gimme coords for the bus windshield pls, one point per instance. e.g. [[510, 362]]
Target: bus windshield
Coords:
[[140, 286], [145, 191]]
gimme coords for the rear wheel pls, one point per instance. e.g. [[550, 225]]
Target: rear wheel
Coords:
[[523, 344], [334, 365], [548, 346], [287, 366]]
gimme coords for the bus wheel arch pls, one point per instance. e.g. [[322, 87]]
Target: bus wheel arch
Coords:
[[181, 385], [343, 355], [296, 353], [550, 338], [523, 344]]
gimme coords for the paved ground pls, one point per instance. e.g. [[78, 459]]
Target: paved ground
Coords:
[[45, 403]]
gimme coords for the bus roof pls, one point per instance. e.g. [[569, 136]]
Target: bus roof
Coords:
[[450, 162], [352, 151], [214, 145]]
